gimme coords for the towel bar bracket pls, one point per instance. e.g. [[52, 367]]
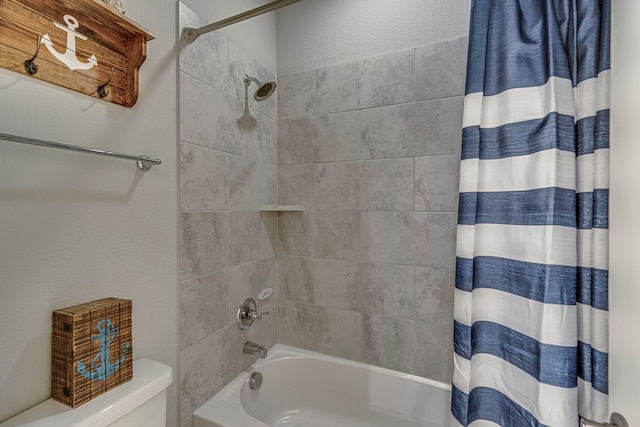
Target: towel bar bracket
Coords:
[[145, 163]]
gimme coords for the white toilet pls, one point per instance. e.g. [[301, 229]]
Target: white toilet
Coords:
[[139, 402]]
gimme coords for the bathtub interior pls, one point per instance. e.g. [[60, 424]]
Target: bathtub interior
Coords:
[[306, 389]]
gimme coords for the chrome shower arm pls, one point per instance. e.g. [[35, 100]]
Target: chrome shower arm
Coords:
[[248, 79]]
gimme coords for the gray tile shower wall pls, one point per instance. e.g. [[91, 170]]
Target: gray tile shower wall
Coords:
[[228, 168], [371, 148]]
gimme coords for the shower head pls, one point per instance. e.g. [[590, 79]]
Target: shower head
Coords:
[[265, 90]]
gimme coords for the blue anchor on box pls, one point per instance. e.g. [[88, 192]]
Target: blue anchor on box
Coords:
[[101, 365], [68, 57]]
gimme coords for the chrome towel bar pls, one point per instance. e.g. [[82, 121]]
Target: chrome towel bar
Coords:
[[144, 163]]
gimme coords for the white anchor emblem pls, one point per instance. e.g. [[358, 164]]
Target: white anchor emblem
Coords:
[[69, 57]]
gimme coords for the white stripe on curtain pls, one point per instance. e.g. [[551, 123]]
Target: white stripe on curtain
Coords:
[[592, 171], [532, 318], [483, 423], [593, 327], [548, 168], [591, 402], [529, 103], [593, 248], [541, 244]]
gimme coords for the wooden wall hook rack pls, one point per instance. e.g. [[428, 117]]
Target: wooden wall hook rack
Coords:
[[86, 43]]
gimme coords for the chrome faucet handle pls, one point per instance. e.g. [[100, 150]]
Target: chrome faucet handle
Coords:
[[257, 316], [247, 313]]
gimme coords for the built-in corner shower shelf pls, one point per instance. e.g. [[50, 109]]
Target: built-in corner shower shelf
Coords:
[[281, 208]]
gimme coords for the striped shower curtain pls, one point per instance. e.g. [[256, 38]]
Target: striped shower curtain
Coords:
[[531, 319]]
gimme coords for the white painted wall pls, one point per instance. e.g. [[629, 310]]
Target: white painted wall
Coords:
[[74, 228], [318, 33], [256, 36], [624, 294]]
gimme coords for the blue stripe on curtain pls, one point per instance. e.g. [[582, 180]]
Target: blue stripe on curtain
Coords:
[[595, 291], [593, 209], [546, 206], [494, 67], [549, 364], [553, 131], [589, 358], [593, 133], [604, 60], [593, 32], [488, 404], [537, 282], [518, 45], [462, 340], [518, 139]]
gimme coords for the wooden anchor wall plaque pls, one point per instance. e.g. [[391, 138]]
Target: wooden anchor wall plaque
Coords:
[[82, 45], [91, 350]]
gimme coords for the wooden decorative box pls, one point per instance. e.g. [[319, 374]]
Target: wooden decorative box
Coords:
[[91, 350]]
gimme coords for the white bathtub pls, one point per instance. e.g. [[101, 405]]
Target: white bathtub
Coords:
[[307, 389]]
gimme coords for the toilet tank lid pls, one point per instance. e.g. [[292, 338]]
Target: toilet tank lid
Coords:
[[149, 379]]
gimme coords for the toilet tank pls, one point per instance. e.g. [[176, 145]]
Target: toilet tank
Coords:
[[139, 402]]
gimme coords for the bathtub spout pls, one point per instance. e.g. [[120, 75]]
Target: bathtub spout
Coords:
[[254, 349]]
